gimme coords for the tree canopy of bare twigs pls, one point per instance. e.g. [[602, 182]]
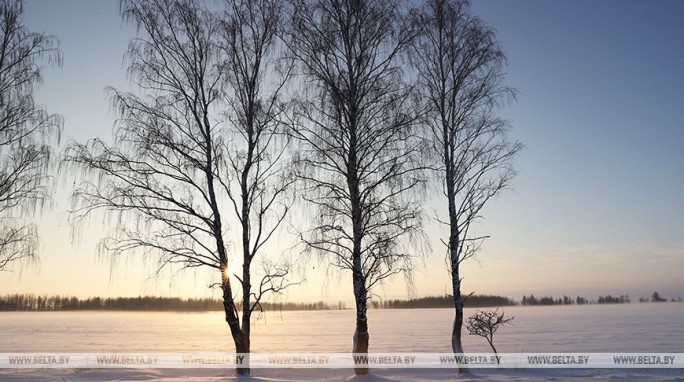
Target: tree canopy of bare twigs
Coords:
[[251, 30], [485, 323], [461, 73], [359, 150], [202, 144], [27, 133]]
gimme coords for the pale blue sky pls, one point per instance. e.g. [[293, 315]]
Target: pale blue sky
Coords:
[[597, 205], [601, 113]]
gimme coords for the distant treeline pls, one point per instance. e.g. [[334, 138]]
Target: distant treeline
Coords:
[[579, 300], [30, 302], [473, 301]]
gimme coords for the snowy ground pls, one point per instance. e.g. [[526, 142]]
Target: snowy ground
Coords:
[[387, 375], [617, 328]]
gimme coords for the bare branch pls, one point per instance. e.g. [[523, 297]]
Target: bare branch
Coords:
[[27, 134]]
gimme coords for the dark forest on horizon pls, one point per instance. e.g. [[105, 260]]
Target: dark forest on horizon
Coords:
[[31, 302]]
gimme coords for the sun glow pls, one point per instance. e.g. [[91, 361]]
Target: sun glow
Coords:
[[232, 271]]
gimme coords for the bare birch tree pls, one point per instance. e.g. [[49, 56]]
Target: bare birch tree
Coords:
[[461, 68], [195, 148], [250, 31], [27, 133], [359, 149]]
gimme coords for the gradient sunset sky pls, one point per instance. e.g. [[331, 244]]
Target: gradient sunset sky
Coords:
[[597, 207]]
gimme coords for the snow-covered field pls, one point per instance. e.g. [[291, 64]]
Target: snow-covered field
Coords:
[[632, 328]]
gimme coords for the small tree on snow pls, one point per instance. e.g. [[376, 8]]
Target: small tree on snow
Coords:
[[486, 323]]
